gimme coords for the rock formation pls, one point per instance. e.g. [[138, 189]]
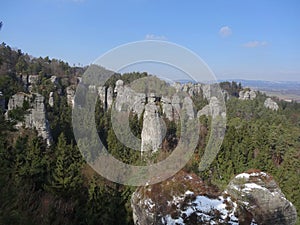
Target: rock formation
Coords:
[[182, 199], [188, 108], [270, 104], [167, 108], [258, 193], [51, 99], [129, 100], [250, 198], [36, 117], [247, 95], [70, 91], [153, 130]]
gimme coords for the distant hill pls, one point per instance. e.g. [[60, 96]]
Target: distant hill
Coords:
[[285, 90]]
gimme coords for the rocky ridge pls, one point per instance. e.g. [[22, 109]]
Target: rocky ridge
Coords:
[[36, 114]]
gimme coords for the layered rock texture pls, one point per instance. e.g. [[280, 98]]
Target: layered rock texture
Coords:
[[36, 114], [270, 104], [250, 199]]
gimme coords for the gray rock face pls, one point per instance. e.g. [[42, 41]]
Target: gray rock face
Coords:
[[258, 193], [247, 95], [109, 96], [153, 130], [188, 108], [102, 95], [270, 104], [129, 100], [54, 79], [70, 95], [36, 117], [17, 100], [167, 108], [32, 81], [51, 99], [213, 109]]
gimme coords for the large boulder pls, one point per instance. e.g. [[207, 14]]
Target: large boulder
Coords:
[[182, 199], [270, 104], [258, 193], [251, 198]]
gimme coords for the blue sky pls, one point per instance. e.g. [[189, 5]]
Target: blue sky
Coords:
[[256, 39]]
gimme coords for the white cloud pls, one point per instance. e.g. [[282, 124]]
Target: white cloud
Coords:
[[155, 37], [255, 44], [225, 31]]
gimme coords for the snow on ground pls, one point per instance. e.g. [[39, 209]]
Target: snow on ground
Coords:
[[205, 209]]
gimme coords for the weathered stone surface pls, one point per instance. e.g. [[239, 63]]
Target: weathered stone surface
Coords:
[[258, 193], [206, 88], [109, 96], [127, 99], [102, 95], [188, 108], [51, 99], [54, 79], [182, 199], [36, 117], [92, 89], [167, 108], [247, 95], [153, 130], [270, 104], [176, 104], [17, 100], [70, 91]]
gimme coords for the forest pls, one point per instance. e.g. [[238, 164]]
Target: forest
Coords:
[[41, 184]]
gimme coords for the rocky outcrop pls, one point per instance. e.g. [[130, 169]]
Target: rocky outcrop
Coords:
[[54, 79], [109, 96], [188, 108], [167, 108], [70, 91], [270, 104], [182, 199], [250, 199], [102, 95], [51, 99], [153, 130], [213, 109], [129, 100], [247, 94], [258, 194], [36, 116]]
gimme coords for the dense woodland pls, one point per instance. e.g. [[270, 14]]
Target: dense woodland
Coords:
[[54, 185]]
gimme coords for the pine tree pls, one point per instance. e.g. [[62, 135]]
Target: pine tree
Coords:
[[66, 177]]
